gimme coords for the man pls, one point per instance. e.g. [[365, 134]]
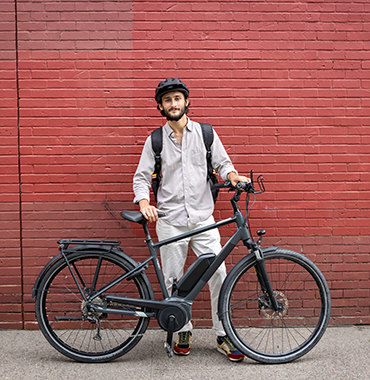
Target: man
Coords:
[[184, 195]]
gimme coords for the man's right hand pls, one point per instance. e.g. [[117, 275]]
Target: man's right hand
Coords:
[[149, 212]]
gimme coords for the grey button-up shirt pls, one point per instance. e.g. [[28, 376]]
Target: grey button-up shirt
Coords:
[[184, 192]]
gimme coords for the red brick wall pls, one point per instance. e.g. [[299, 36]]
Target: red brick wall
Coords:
[[286, 85], [10, 247]]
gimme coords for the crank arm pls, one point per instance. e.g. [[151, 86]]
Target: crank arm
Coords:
[[168, 344]]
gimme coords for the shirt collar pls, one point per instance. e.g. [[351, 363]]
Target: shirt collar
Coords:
[[169, 131]]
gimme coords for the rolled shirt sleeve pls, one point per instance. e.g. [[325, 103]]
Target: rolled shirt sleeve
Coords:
[[143, 174], [220, 159]]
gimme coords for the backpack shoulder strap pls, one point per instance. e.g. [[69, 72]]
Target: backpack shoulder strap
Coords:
[[207, 131], [157, 145], [157, 142]]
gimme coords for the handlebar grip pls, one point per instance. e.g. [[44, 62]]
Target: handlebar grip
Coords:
[[227, 184], [244, 185]]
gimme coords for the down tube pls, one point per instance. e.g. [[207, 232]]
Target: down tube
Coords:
[[220, 258]]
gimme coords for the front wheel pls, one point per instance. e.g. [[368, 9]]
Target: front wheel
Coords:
[[257, 330], [62, 313]]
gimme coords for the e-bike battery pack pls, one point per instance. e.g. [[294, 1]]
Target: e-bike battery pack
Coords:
[[194, 273]]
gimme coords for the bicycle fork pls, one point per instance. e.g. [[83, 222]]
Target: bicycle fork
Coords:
[[264, 280]]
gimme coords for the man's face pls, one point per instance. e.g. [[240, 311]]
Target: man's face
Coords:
[[173, 105]]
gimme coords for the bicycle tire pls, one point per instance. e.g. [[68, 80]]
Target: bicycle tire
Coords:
[[59, 307], [275, 337]]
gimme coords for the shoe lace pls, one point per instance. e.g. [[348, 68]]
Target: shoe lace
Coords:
[[184, 337], [227, 340]]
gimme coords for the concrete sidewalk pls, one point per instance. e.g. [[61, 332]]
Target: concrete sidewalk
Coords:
[[343, 353]]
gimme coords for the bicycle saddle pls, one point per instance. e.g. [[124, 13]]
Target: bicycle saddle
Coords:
[[136, 216]]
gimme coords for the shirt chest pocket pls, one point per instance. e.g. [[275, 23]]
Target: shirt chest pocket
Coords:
[[198, 157]]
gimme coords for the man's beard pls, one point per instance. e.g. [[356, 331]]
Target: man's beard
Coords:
[[177, 117]]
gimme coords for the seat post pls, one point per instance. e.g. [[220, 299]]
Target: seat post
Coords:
[[147, 233]]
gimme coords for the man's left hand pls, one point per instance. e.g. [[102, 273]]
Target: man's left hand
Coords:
[[235, 178]]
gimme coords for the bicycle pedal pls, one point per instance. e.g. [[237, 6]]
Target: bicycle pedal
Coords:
[[168, 350]]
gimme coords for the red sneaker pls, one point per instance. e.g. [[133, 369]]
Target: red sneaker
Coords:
[[182, 346]]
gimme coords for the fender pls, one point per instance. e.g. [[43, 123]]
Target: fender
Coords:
[[88, 248], [269, 249], [236, 266]]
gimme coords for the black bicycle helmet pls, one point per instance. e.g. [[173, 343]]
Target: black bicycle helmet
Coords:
[[168, 85]]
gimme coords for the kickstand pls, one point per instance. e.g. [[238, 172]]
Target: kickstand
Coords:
[[168, 344], [98, 336]]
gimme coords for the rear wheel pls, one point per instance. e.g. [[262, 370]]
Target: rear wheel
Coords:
[[63, 315], [304, 302]]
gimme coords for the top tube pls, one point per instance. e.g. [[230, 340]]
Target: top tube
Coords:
[[195, 232]]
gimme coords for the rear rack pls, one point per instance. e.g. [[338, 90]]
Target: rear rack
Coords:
[[89, 242]]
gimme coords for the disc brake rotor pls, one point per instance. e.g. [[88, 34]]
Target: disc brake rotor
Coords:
[[284, 303]]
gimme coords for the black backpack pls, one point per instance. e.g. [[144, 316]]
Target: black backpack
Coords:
[[157, 144]]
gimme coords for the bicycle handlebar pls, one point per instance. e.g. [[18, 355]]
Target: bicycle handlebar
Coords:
[[247, 187]]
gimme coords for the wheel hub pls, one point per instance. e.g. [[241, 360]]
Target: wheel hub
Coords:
[[283, 304], [86, 310]]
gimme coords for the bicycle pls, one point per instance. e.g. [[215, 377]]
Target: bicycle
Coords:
[[94, 302]]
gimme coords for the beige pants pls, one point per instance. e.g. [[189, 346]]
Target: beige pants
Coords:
[[173, 257]]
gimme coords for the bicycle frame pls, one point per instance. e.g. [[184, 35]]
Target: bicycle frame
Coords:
[[197, 284], [241, 234]]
